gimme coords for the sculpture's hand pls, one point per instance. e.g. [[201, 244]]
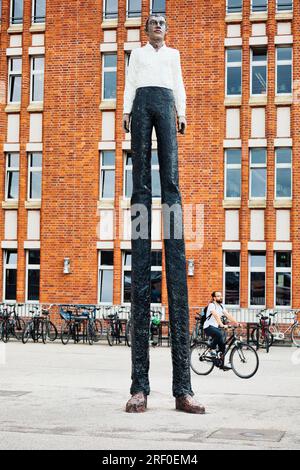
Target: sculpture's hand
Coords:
[[181, 124], [126, 122]]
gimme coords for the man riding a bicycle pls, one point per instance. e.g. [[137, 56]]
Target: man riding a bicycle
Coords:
[[214, 325]]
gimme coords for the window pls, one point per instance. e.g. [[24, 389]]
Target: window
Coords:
[[258, 173], [259, 71], [233, 173], [234, 6], [134, 8], [156, 187], [109, 76], [107, 182], [10, 274], [283, 279], [106, 277], [14, 79], [284, 173], [234, 72], [12, 176], [284, 5], [284, 71], [156, 276], [16, 12], [35, 176], [257, 278], [232, 277], [259, 5], [33, 275], [37, 79], [110, 9], [39, 11], [158, 6]]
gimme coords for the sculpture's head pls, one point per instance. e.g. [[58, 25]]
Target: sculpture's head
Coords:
[[156, 27]]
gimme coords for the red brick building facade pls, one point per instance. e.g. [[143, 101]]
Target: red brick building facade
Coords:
[[65, 179]]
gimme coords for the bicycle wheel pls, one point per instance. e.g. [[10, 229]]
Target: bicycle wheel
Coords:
[[5, 333], [296, 334], [90, 332], [128, 334], [26, 333], [244, 360], [65, 332], [19, 328], [51, 331], [110, 335], [265, 340], [201, 363], [97, 330]]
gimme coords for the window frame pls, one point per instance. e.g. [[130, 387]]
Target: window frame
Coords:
[[232, 166], [283, 62], [5, 267], [32, 75], [11, 74], [284, 165], [9, 170], [283, 270], [253, 63], [233, 65], [157, 12], [128, 16], [33, 16], [233, 12], [115, 13], [35, 169], [154, 167], [108, 69], [104, 168], [256, 270], [254, 166], [36, 267], [231, 269], [259, 11], [284, 10], [105, 267], [10, 13]]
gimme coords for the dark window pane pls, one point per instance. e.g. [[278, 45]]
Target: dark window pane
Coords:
[[10, 284], [284, 5], [258, 156], [110, 83], [258, 182], [36, 160], [12, 185], [259, 55], [259, 5], [283, 259], [257, 289], [17, 12], [232, 288], [15, 89], [127, 286], [107, 258], [259, 80], [232, 259], [284, 53], [34, 257], [233, 186], [106, 286], [233, 157], [156, 286], [111, 8], [158, 6], [284, 155], [134, 8], [38, 87], [110, 60], [127, 258], [234, 6], [13, 160], [156, 258], [35, 190], [284, 182], [234, 77], [234, 55], [39, 11], [284, 79], [283, 289], [33, 284]]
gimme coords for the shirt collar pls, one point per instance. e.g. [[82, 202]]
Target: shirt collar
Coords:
[[152, 48]]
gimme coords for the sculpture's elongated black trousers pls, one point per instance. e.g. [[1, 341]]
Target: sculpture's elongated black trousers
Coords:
[[155, 106]]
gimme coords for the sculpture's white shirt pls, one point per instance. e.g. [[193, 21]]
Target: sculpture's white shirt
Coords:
[[151, 67]]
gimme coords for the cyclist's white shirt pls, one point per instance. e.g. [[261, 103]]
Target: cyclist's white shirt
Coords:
[[212, 321]]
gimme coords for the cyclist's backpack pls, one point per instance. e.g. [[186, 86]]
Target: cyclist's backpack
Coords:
[[204, 317]]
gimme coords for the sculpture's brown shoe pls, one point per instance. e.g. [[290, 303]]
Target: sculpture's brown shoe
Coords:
[[137, 403], [189, 404]]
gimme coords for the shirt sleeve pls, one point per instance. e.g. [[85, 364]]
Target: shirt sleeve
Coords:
[[179, 90], [130, 84]]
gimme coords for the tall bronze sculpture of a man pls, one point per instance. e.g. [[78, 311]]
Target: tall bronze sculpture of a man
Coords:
[[154, 93]]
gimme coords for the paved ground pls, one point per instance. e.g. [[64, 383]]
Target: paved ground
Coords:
[[72, 397]]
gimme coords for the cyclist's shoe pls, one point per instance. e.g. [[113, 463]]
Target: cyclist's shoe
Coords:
[[189, 404], [137, 403], [226, 368], [213, 353]]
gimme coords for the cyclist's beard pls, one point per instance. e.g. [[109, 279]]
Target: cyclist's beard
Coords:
[[219, 301]]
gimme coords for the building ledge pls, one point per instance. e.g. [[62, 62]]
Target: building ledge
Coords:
[[32, 244], [35, 107], [13, 108], [257, 246], [34, 28], [257, 203], [258, 100], [125, 203], [233, 101], [33, 204], [231, 246], [108, 47], [232, 203], [133, 22], [108, 104], [283, 203], [232, 143], [15, 28], [260, 142], [110, 24], [9, 244], [10, 204], [288, 15], [13, 51], [106, 204], [284, 99], [282, 246], [258, 41], [284, 39], [259, 16], [234, 18]]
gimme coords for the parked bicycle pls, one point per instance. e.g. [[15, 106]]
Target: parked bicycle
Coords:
[[40, 326], [11, 325], [114, 332], [243, 358], [261, 334], [93, 326], [155, 327], [293, 329]]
